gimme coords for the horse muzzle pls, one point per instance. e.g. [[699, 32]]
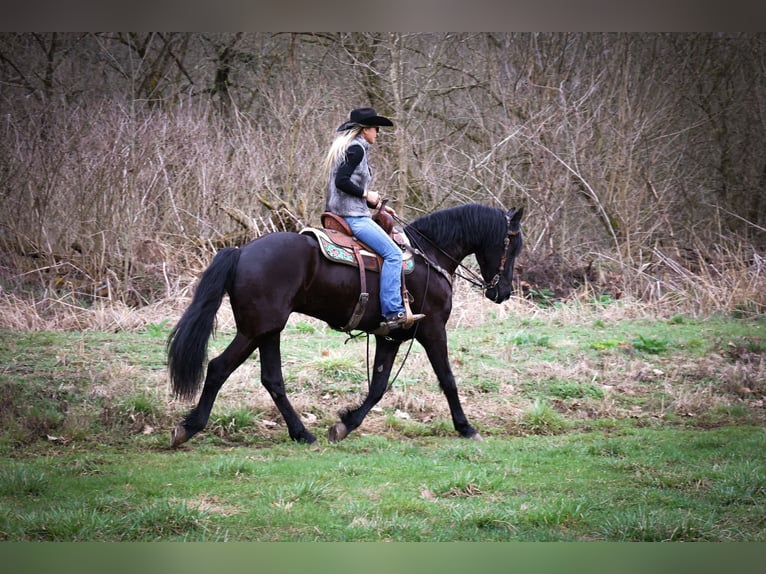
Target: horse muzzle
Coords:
[[497, 295]]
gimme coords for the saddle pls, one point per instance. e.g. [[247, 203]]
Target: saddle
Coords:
[[338, 244]]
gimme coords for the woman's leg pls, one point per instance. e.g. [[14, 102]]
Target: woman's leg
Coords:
[[370, 233]]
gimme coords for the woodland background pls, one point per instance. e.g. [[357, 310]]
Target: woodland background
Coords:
[[127, 159]]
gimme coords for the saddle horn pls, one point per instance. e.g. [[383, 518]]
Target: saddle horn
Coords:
[[383, 218]]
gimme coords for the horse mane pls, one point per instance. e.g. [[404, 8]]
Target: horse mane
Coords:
[[464, 225]]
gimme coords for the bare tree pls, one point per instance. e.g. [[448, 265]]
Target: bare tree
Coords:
[[625, 147]]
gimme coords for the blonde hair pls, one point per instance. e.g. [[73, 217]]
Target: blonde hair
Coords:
[[337, 152]]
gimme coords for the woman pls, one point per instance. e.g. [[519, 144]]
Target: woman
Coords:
[[348, 178]]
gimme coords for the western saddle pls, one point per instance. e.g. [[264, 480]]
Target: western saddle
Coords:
[[338, 244]]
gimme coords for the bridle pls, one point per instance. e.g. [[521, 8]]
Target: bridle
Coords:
[[509, 235], [474, 279]]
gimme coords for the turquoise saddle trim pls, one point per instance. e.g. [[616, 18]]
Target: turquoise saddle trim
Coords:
[[345, 255]]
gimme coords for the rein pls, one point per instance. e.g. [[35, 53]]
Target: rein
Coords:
[[412, 339], [469, 275]]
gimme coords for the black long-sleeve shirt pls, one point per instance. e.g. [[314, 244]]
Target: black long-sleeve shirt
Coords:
[[343, 181]]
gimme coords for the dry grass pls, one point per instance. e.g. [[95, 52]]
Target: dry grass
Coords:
[[64, 313], [724, 279]]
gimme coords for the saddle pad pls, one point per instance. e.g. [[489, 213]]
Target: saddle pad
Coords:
[[337, 247]]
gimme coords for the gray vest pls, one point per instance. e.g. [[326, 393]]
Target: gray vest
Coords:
[[342, 203]]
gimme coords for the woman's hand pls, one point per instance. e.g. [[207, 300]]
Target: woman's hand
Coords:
[[372, 197]]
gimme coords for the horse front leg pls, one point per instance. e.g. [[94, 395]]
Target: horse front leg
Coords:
[[436, 349], [218, 370], [350, 419], [272, 379]]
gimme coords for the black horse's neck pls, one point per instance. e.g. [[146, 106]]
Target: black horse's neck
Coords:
[[457, 232]]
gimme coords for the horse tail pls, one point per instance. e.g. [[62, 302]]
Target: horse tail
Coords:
[[187, 343]]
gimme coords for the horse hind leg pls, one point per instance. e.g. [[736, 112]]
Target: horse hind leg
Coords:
[[218, 370], [273, 381]]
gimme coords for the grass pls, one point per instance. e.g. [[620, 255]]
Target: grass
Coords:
[[665, 484], [597, 428]]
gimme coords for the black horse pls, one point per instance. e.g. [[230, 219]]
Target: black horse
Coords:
[[279, 273]]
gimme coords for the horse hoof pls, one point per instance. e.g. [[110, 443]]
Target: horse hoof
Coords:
[[178, 436], [476, 437], [337, 432], [305, 438]]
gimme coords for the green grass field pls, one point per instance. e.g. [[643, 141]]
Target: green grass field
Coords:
[[598, 427], [631, 485]]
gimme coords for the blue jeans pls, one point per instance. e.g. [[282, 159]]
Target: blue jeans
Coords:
[[372, 235]]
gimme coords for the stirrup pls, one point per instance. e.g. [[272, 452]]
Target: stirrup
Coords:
[[401, 320]]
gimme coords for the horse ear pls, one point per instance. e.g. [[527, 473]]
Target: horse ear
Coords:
[[515, 214]]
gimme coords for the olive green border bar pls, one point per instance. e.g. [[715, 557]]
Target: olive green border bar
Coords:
[[381, 558]]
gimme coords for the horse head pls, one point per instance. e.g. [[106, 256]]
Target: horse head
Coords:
[[498, 262]]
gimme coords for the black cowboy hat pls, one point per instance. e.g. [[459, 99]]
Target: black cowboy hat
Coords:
[[364, 117]]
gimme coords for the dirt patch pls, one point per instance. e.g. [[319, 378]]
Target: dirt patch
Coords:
[[210, 505]]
